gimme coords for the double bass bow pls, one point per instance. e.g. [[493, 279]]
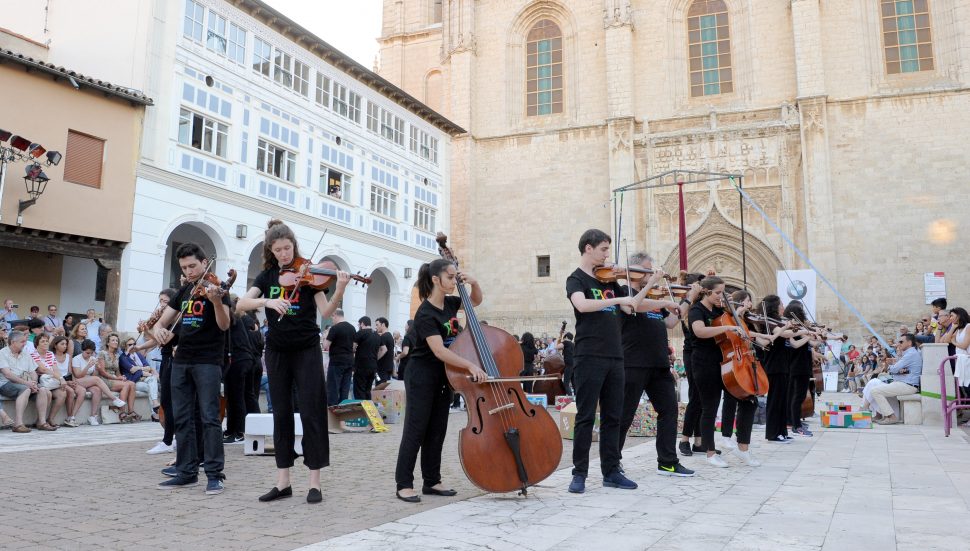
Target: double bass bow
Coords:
[[508, 444]]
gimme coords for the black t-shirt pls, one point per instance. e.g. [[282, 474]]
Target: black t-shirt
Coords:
[[688, 335], [385, 364], [704, 348], [801, 361], [406, 342], [341, 337], [776, 357], [597, 333], [645, 340], [367, 344], [567, 352], [430, 321], [239, 343], [298, 329], [200, 339], [528, 358]]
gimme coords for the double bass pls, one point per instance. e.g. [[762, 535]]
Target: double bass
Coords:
[[553, 364], [741, 371], [508, 443]]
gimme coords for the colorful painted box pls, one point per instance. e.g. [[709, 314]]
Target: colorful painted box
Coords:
[[840, 406], [538, 399], [847, 419], [563, 401], [567, 422], [645, 420], [391, 403]]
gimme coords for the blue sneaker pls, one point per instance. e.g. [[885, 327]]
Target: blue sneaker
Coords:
[[578, 485], [617, 480], [170, 472], [802, 431], [214, 487], [177, 482]]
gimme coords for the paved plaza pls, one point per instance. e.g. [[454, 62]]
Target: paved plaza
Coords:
[[896, 487]]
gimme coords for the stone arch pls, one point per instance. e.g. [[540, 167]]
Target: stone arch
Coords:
[[716, 245], [379, 293], [190, 231], [350, 294], [255, 264], [434, 90], [516, 35]]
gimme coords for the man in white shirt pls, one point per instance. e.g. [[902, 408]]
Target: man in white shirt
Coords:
[[19, 380]]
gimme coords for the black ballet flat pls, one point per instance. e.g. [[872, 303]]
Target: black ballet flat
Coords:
[[314, 496], [276, 493], [412, 499], [428, 491]]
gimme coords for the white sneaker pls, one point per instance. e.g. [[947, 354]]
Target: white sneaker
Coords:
[[728, 444], [746, 458], [93, 421], [161, 447], [70, 422], [716, 461], [118, 403]]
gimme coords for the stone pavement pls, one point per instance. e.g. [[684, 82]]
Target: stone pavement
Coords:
[[898, 487]]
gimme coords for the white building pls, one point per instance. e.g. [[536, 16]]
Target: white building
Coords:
[[256, 118]]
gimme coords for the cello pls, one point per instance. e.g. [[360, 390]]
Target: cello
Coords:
[[508, 443], [553, 364], [741, 371]]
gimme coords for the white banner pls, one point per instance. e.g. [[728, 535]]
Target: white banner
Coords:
[[798, 285]]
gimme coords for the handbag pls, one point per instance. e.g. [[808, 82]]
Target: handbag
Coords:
[[49, 382]]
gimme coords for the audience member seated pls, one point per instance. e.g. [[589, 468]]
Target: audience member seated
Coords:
[[18, 379], [75, 392], [136, 369], [78, 334], [53, 324], [110, 371], [83, 368], [9, 311], [48, 376], [905, 379]]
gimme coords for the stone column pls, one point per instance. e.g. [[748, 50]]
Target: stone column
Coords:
[[618, 22], [112, 292]]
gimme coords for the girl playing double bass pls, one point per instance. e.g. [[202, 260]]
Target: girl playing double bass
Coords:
[[426, 415]]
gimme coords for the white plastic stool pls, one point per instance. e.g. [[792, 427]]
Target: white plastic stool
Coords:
[[259, 434]]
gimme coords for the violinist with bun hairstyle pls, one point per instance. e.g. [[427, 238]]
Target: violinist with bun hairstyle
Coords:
[[294, 357]]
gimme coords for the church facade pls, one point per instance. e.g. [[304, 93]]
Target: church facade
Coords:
[[847, 120]]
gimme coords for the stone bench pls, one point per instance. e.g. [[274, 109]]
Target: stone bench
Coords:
[[911, 409], [143, 407]]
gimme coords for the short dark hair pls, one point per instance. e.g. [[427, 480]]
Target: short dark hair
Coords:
[[939, 303], [593, 238], [568, 336], [190, 249], [365, 320], [35, 308], [88, 344], [34, 323], [384, 322], [911, 338]]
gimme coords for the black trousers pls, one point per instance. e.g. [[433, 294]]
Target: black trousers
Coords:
[[425, 425], [776, 409], [707, 373], [238, 376], [567, 378], [339, 374], [799, 388], [363, 382], [599, 381], [165, 395], [692, 415], [255, 385], [303, 369], [729, 408], [658, 383]]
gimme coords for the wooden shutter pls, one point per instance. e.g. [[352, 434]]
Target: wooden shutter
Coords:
[[84, 159]]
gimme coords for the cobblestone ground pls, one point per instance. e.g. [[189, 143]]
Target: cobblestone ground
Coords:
[[94, 487]]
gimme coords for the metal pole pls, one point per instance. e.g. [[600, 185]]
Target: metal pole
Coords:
[[3, 176], [744, 255]]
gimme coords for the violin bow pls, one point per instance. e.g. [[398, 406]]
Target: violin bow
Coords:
[[195, 288], [626, 251], [304, 268]]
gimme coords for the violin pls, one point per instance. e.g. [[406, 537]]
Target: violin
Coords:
[[612, 273], [303, 273], [508, 444], [763, 320], [210, 280]]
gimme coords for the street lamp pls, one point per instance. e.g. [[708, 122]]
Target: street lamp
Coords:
[[36, 182], [18, 148]]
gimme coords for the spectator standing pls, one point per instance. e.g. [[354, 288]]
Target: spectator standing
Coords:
[[93, 325], [407, 345], [51, 322], [340, 345], [367, 343], [385, 354], [9, 311], [34, 312], [18, 379]]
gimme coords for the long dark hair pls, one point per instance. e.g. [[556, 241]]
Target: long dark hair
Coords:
[[769, 305], [795, 311], [427, 271], [276, 229], [528, 341], [963, 318]]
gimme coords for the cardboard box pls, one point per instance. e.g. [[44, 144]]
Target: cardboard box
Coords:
[[354, 416], [567, 423], [847, 419], [563, 401], [391, 402], [538, 399], [840, 406]]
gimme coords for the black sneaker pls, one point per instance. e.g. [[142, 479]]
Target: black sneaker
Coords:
[[618, 480], [702, 449], [685, 449], [233, 439], [178, 482], [674, 470]]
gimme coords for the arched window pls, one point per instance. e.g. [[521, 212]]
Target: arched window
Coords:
[[544, 69], [906, 36], [709, 43]]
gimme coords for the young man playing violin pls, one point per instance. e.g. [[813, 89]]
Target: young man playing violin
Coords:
[[598, 371], [647, 366], [196, 369]]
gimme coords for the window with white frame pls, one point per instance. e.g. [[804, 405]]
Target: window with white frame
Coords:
[[276, 161], [215, 38], [387, 125], [372, 115], [282, 69], [354, 107], [334, 183], [340, 99], [262, 57], [194, 14], [424, 217], [301, 78], [237, 43], [323, 90], [203, 133], [383, 201], [399, 131], [414, 140], [429, 147]]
